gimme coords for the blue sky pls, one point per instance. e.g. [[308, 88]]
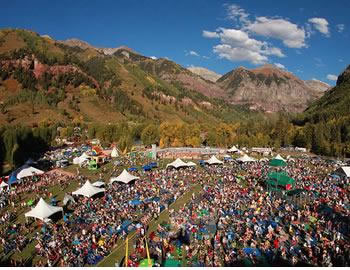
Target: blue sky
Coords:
[[308, 38]]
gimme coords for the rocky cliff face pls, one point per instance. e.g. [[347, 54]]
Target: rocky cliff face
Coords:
[[317, 85], [205, 73], [267, 88]]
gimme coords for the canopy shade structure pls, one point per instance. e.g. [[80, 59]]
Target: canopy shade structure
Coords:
[[3, 185], [264, 159], [114, 153], [280, 158], [68, 198], [178, 163], [277, 163], [88, 190], [191, 164], [80, 160], [280, 179], [98, 184], [343, 171], [246, 158], [233, 149], [213, 160], [27, 172], [124, 177], [43, 210]]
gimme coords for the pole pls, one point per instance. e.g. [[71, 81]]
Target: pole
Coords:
[[148, 257], [126, 251]]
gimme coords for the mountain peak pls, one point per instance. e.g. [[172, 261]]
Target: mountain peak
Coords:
[[205, 73]]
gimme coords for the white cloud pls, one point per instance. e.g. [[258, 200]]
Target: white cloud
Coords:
[[234, 12], [239, 54], [193, 53], [332, 77], [236, 45], [321, 25], [153, 57], [279, 65], [340, 27], [208, 34], [291, 35], [206, 57]]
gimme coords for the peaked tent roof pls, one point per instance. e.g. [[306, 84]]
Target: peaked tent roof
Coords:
[[98, 184], [246, 158], [345, 171], [280, 158], [3, 185], [124, 177], [233, 149], [30, 171], [81, 159], [213, 160], [190, 164], [178, 163], [68, 198], [114, 153], [43, 210], [88, 190]]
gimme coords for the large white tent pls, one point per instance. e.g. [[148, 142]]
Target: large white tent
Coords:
[[124, 177], [191, 164], [30, 171], [114, 153], [43, 210], [68, 198], [80, 160], [98, 184], [246, 158], [88, 190], [213, 160], [280, 158], [178, 163], [3, 185], [343, 171], [233, 149]]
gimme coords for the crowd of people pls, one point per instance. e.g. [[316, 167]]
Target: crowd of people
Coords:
[[230, 224], [232, 221]]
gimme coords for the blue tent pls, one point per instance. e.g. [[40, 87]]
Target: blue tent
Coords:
[[132, 169], [156, 199], [335, 176], [13, 176]]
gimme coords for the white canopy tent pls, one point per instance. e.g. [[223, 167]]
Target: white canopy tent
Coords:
[[27, 172], [233, 149], [114, 153], [343, 171], [213, 160], [88, 190], [80, 160], [124, 177], [191, 164], [280, 158], [246, 158], [264, 159], [178, 163], [98, 184], [3, 185], [43, 210], [68, 198]]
